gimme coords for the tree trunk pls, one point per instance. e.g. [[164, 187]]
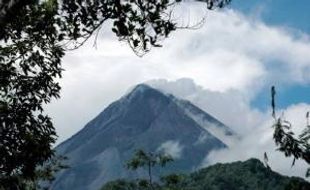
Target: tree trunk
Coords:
[[150, 175]]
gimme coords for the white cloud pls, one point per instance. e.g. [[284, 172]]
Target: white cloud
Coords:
[[231, 58], [232, 107], [172, 148], [260, 140], [253, 126]]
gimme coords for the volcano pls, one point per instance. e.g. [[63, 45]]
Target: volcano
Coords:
[[147, 119]]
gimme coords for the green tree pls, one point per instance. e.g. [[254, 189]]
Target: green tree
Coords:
[[148, 160], [172, 182], [286, 140], [34, 36], [29, 63]]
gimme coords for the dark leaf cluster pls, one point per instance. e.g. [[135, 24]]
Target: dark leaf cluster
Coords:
[[297, 147], [29, 63], [143, 24], [213, 4], [140, 23]]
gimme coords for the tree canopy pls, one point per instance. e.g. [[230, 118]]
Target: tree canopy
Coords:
[[250, 174]]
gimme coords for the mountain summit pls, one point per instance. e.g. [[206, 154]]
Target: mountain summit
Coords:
[[144, 119]]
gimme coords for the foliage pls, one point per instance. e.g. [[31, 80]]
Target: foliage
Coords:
[[285, 139], [45, 175], [149, 160], [42, 179], [296, 184], [34, 36], [8, 9], [251, 174], [143, 24], [29, 63], [129, 185], [172, 182]]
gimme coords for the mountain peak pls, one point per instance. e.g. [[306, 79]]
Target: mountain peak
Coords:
[[143, 92], [142, 87], [145, 118]]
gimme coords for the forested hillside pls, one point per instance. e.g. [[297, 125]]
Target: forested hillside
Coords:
[[248, 175]]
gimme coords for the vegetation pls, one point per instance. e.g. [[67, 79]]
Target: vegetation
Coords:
[[149, 160], [29, 63], [251, 174], [34, 36], [286, 140]]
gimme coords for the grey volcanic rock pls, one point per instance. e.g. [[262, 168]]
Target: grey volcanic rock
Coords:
[[143, 119]]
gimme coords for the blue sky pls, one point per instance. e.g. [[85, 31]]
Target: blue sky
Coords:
[[286, 96], [292, 15]]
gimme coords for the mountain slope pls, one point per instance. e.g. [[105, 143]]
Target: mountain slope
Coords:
[[211, 124], [143, 119], [248, 175]]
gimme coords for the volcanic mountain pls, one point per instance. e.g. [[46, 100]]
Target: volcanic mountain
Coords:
[[144, 119]]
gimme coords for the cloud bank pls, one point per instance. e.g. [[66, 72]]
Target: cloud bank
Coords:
[[260, 140], [253, 126], [231, 58]]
